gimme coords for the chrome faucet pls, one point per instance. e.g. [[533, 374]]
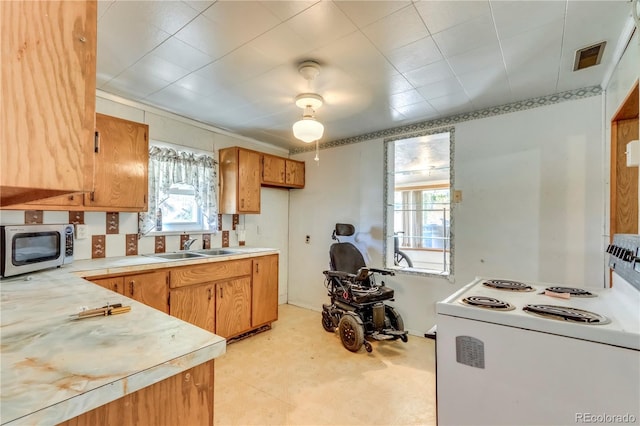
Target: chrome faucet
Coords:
[[187, 244]]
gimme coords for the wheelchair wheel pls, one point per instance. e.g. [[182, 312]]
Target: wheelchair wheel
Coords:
[[327, 324], [351, 333], [395, 320], [401, 259]]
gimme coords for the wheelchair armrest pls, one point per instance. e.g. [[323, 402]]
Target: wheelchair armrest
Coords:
[[382, 271], [338, 274]]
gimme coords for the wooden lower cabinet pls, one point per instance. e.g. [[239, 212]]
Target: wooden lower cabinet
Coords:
[[233, 307], [150, 288], [226, 298], [184, 399], [264, 292], [196, 305]]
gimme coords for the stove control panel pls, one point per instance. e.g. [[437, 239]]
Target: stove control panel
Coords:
[[624, 257]]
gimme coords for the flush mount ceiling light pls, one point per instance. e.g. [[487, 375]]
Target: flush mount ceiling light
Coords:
[[308, 129]]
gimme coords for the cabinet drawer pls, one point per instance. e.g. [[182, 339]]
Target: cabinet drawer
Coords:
[[197, 274]]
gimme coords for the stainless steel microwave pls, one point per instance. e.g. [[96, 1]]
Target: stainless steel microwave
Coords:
[[29, 248]]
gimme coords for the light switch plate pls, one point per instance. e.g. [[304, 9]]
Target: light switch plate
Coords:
[[81, 232]]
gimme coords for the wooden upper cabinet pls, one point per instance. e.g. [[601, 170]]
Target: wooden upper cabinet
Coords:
[[280, 171], [294, 177], [239, 181], [273, 170], [122, 163], [47, 107]]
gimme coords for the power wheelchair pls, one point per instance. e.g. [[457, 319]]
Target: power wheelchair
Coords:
[[357, 309]]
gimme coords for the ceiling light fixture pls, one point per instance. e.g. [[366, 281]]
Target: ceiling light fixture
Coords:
[[308, 129]]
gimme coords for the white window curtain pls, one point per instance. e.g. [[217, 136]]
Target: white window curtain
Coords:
[[167, 167]]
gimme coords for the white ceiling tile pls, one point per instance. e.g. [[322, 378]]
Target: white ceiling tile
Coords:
[[529, 84], [285, 9], [484, 80], [492, 98], [440, 15], [396, 30], [515, 17], [471, 35], [415, 55], [243, 64], [240, 21], [405, 98], [540, 46], [321, 24], [202, 34], [103, 6], [158, 67], [396, 83], [421, 111], [169, 16], [453, 101], [199, 5], [198, 84], [363, 13], [440, 88], [282, 43], [431, 73], [489, 56], [356, 57], [137, 85], [182, 54]]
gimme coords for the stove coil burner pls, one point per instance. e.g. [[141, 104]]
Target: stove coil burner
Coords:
[[564, 313], [574, 292], [507, 285], [488, 303]]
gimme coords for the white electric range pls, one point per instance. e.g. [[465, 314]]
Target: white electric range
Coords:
[[519, 353]]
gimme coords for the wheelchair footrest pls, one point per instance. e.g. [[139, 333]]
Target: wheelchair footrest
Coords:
[[387, 334]]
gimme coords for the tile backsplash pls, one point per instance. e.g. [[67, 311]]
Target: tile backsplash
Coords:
[[115, 234]]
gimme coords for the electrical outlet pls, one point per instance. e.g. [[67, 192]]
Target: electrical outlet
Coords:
[[307, 239]]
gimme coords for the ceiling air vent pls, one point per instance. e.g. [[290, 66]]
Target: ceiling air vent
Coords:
[[588, 56]]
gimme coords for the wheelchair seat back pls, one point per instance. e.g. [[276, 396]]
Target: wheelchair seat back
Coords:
[[345, 257]]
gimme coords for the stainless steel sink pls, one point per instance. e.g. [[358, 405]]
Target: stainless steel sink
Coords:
[[180, 255], [215, 252]]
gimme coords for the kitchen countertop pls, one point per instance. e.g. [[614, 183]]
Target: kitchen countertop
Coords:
[[54, 368]]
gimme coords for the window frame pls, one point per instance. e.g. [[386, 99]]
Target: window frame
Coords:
[[389, 209]]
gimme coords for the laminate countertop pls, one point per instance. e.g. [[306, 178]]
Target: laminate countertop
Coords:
[[55, 367]]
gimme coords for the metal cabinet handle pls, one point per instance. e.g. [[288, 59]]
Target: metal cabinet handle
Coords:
[[221, 292], [115, 287], [257, 267], [210, 295], [131, 287]]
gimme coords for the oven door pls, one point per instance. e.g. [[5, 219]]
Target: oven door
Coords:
[[32, 249]]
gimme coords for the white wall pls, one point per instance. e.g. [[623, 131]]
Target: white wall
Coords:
[[532, 208]]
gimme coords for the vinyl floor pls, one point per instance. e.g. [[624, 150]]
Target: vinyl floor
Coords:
[[298, 374]]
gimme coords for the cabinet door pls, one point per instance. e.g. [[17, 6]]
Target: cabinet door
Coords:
[[195, 305], [248, 181], [233, 307], [273, 170], [47, 107], [122, 161], [114, 284], [294, 174], [264, 300], [151, 288]]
